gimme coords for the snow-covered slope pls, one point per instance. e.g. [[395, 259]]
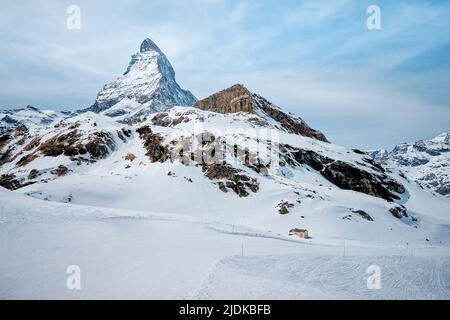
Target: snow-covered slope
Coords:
[[126, 254], [194, 185], [426, 162], [38, 153], [253, 173], [148, 85], [30, 116]]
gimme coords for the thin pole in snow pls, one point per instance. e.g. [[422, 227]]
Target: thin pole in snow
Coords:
[[344, 248], [242, 250]]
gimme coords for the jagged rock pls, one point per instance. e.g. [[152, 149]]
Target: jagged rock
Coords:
[[32, 144], [398, 212], [222, 187], [26, 159], [349, 177], [9, 181], [163, 120], [234, 179], [6, 156], [234, 99], [4, 140], [100, 144], [33, 174], [342, 174], [60, 170], [130, 157], [60, 144], [156, 151], [363, 214], [238, 98], [283, 207], [295, 156]]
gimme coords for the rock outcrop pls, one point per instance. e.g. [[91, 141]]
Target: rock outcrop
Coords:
[[345, 175], [238, 98]]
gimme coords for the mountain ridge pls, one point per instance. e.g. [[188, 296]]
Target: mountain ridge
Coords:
[[226, 155], [148, 85], [427, 162]]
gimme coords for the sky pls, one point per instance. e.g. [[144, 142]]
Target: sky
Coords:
[[363, 88]]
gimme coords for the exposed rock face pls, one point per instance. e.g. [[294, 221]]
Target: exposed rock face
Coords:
[[4, 139], [398, 212], [288, 122], [363, 214], [33, 174], [130, 157], [234, 179], [283, 207], [348, 177], [9, 181], [66, 144], [239, 99], [26, 159], [77, 139], [345, 175], [148, 85], [234, 99], [156, 150], [99, 145], [11, 140], [60, 170]]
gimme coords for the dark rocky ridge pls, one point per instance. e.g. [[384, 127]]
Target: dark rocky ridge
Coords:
[[345, 175], [238, 98]]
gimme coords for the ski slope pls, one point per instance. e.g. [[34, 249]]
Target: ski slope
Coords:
[[126, 254]]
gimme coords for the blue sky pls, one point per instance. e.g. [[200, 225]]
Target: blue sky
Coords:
[[362, 88]]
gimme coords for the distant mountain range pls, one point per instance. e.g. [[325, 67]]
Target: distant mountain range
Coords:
[[426, 162]]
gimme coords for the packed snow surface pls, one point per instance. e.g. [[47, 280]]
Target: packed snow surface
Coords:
[[149, 255]]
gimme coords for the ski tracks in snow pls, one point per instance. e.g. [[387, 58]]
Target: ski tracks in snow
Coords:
[[310, 276]]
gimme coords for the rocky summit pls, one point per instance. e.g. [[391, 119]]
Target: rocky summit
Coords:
[[238, 98], [148, 85]]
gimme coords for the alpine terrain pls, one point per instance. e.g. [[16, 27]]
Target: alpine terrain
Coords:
[[155, 194], [148, 85], [426, 162]]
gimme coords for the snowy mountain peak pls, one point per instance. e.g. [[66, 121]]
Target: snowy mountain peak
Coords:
[[442, 138], [426, 162], [148, 85], [149, 45]]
